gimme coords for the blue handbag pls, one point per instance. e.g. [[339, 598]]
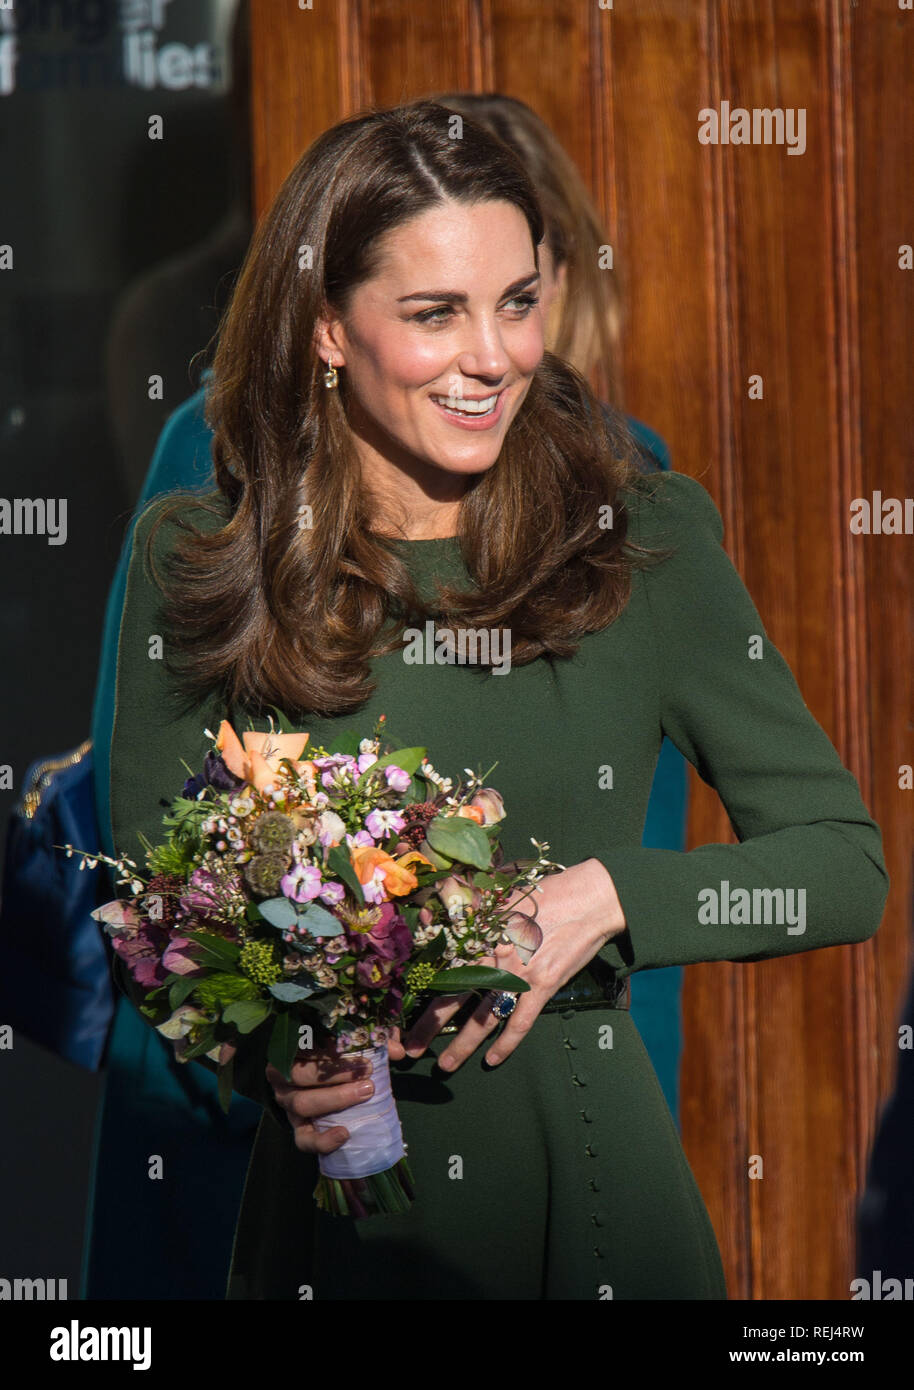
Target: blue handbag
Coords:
[[55, 970]]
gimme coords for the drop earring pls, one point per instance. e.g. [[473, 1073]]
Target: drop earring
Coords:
[[331, 375]]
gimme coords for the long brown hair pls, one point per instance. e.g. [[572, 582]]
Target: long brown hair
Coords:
[[275, 612], [588, 329]]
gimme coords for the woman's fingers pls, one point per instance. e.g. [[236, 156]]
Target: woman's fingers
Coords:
[[430, 1023], [480, 1024], [308, 1101], [311, 1140]]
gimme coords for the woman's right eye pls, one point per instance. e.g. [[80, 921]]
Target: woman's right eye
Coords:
[[429, 315]]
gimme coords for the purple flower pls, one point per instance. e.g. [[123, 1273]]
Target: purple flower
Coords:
[[366, 760], [141, 951], [380, 824], [361, 837], [371, 972], [302, 883], [389, 938], [215, 774], [175, 959], [397, 779], [333, 893], [332, 764], [203, 894]]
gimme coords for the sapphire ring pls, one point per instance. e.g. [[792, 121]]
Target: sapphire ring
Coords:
[[503, 1003]]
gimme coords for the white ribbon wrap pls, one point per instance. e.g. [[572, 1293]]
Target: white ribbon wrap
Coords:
[[375, 1140]]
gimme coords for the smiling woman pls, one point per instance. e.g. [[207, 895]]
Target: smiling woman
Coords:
[[402, 264], [409, 259]]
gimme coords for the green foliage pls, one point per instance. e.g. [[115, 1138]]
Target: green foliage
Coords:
[[407, 758], [476, 977], [339, 864], [220, 989], [460, 839]]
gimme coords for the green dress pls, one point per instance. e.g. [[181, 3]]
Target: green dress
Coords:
[[558, 1174]]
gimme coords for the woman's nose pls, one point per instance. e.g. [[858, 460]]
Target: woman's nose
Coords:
[[483, 351]]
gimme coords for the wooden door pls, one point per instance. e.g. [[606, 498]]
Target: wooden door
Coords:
[[738, 264]]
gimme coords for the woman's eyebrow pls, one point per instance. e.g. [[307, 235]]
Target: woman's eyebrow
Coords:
[[452, 297]]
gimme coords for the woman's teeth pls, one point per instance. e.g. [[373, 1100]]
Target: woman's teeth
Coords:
[[459, 406]]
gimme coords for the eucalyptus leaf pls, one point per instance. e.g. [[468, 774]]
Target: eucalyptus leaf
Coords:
[[289, 992], [317, 921], [279, 912], [461, 839]]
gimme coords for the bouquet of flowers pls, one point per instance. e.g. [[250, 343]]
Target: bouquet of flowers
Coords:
[[323, 898]]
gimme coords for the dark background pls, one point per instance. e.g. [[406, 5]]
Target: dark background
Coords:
[[123, 248]]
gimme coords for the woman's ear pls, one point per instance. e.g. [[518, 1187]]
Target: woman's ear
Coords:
[[328, 341]]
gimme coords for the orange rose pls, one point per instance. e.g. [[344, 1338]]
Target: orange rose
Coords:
[[256, 759]]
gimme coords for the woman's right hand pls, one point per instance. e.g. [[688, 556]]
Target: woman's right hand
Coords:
[[320, 1084]]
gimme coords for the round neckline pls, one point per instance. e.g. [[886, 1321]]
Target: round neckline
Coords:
[[425, 540]]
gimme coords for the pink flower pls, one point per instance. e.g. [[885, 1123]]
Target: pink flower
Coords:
[[302, 883], [176, 961]]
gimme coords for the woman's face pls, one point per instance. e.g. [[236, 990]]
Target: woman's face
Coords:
[[440, 346]]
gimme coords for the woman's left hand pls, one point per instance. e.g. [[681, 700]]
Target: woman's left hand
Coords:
[[578, 911]]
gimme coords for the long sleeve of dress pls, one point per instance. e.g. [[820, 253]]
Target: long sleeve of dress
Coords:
[[731, 705], [149, 741]]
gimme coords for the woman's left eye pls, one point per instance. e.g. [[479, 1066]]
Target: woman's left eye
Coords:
[[526, 301]]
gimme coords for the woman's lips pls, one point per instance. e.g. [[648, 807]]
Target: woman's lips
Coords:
[[473, 422]]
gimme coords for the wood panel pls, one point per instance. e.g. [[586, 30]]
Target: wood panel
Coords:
[[732, 261]]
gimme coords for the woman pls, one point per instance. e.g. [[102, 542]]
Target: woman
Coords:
[[451, 454], [579, 305]]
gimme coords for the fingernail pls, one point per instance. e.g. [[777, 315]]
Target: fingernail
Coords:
[[415, 1050], [448, 1063], [493, 1059], [365, 1088]]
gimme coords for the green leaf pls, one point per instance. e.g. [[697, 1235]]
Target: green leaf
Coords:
[[476, 977], [289, 992], [214, 950], [346, 742], [181, 988], [279, 912], [461, 839], [407, 758], [205, 1043], [224, 1078], [339, 864], [284, 726], [416, 791], [283, 1045], [246, 1014], [318, 922]]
